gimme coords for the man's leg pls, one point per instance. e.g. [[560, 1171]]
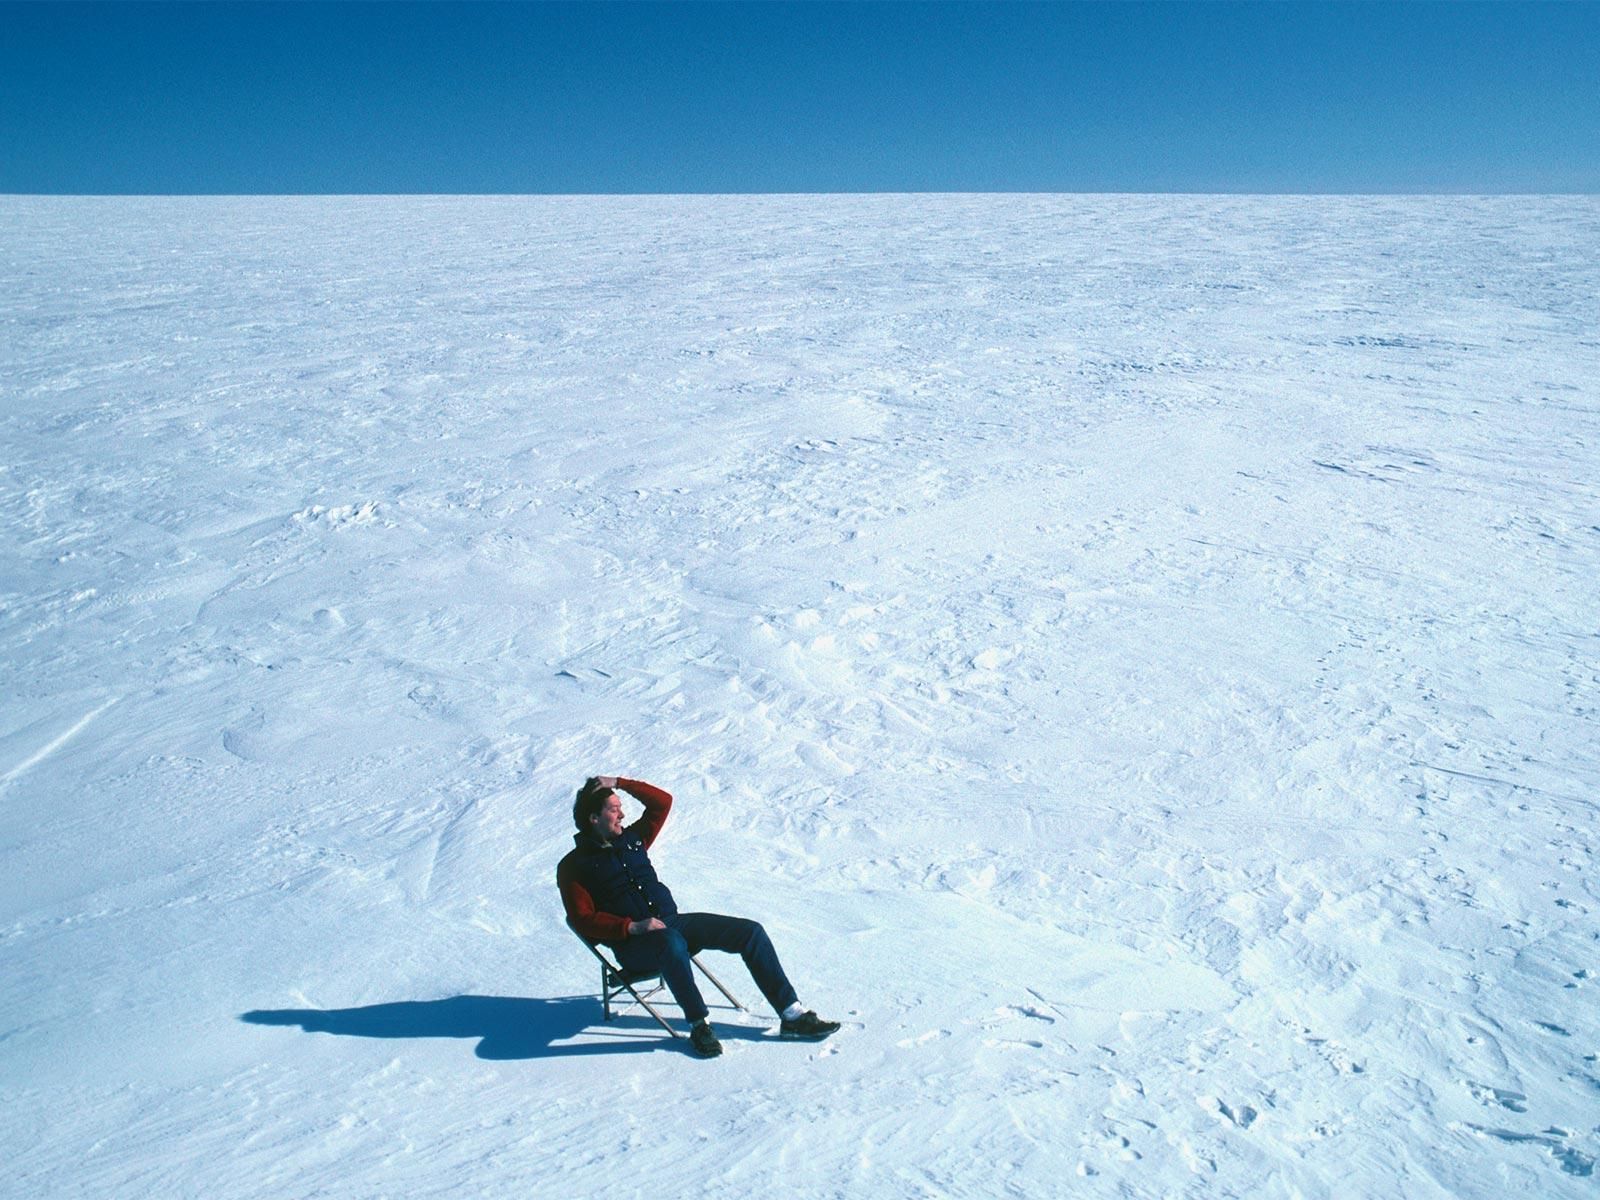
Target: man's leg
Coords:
[[735, 935], [666, 952]]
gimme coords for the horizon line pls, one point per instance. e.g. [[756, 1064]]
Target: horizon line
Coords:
[[396, 195]]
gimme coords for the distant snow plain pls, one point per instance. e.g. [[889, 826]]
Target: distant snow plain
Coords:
[[1138, 655]]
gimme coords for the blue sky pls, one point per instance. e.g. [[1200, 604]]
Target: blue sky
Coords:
[[761, 97]]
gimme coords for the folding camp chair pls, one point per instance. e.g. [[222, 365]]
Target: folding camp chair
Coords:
[[614, 981]]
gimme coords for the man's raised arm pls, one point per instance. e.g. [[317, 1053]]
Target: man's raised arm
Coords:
[[657, 804]]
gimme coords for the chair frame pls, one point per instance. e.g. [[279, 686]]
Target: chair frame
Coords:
[[614, 981]]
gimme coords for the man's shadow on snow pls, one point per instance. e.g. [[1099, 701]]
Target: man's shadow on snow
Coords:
[[506, 1027]]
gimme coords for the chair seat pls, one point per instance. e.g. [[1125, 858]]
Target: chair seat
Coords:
[[625, 976]]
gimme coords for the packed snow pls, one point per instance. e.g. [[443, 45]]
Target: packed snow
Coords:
[[1138, 656]]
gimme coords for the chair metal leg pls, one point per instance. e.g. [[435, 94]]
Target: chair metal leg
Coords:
[[651, 1009], [611, 983], [731, 998]]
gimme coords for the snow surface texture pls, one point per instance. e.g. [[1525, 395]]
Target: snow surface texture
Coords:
[[1137, 655]]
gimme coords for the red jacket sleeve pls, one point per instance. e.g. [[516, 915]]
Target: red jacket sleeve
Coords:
[[657, 804], [582, 914]]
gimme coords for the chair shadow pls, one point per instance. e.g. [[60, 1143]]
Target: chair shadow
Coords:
[[506, 1027]]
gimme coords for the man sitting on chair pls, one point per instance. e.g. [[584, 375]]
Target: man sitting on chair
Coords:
[[612, 895]]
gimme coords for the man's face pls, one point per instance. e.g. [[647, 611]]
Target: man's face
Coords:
[[608, 821]]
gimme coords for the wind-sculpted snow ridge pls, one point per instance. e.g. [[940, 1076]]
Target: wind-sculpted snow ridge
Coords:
[[1136, 655]]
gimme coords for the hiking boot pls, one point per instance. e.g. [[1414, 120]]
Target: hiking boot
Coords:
[[703, 1041], [808, 1027]]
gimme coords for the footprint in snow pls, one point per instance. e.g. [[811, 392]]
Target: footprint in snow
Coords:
[[1554, 1143], [1241, 1117], [1337, 1057], [328, 618], [242, 739], [1485, 1094], [1013, 1012], [337, 517]]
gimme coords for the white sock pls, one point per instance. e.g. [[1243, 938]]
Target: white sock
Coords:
[[793, 1012]]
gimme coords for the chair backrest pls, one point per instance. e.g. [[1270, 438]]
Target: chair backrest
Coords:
[[613, 970]]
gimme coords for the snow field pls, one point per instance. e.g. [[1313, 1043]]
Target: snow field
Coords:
[[1137, 656]]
